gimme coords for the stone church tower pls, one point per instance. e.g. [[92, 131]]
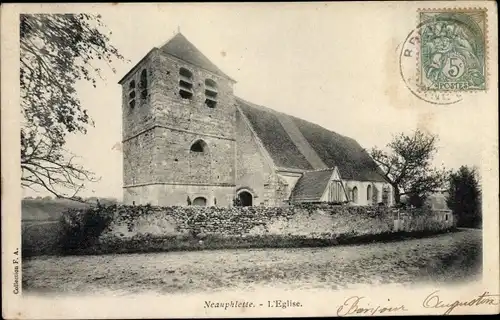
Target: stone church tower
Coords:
[[179, 118]]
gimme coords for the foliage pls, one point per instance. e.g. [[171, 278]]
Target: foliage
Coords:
[[408, 165], [57, 51], [464, 197], [82, 228]]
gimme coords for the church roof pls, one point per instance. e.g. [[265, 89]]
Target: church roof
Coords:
[[311, 185], [277, 142], [333, 149], [181, 48]]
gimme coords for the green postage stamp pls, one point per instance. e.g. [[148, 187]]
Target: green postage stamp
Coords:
[[453, 50]]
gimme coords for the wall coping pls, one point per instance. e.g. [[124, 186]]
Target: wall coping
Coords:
[[180, 184]]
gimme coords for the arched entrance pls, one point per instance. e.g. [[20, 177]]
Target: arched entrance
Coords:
[[246, 198], [200, 201]]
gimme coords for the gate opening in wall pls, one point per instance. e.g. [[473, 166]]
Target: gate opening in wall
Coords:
[[200, 201], [246, 199]]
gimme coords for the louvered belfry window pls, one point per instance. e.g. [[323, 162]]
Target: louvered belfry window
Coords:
[[210, 93], [185, 83], [131, 94], [144, 84]]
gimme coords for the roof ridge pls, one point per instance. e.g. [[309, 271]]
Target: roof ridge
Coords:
[[324, 169], [169, 39], [289, 115]]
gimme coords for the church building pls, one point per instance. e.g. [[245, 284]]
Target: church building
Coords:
[[188, 140]]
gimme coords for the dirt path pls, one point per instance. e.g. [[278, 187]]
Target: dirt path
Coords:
[[444, 258]]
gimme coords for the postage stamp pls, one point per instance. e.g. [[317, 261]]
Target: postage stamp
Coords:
[[445, 55], [453, 50]]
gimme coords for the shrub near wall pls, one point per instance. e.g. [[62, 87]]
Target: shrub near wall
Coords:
[[148, 228]]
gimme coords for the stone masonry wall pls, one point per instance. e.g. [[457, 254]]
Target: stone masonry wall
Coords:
[[174, 162], [252, 169], [138, 155], [140, 117], [193, 115], [137, 147], [176, 195], [121, 229], [362, 187], [321, 222]]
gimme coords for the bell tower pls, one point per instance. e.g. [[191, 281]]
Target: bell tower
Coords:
[[178, 129]]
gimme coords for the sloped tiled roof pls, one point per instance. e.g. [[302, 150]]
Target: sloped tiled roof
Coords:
[[181, 48], [335, 150], [280, 146], [311, 185], [353, 162]]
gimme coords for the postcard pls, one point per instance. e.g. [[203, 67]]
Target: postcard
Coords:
[[182, 160]]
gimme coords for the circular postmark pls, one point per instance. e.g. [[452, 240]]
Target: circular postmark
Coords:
[[443, 57]]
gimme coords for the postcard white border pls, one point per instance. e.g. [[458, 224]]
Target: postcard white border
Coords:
[[318, 302]]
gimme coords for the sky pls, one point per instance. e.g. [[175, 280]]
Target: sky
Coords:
[[332, 64]]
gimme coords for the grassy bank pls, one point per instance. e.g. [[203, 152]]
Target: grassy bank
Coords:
[[43, 239]]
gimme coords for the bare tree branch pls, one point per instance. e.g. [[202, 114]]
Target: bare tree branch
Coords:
[[55, 52], [407, 165]]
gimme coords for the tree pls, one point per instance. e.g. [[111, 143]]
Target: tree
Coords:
[[464, 197], [407, 165], [57, 51]]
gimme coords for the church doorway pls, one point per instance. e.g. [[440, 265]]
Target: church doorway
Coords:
[[200, 201], [245, 198]]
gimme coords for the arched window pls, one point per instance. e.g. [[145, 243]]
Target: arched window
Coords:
[[199, 146], [369, 192], [200, 201], [245, 199], [131, 94], [355, 195], [210, 93], [144, 84], [185, 83]]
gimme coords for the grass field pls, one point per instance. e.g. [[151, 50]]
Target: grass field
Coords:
[[39, 222], [47, 210], [451, 257]]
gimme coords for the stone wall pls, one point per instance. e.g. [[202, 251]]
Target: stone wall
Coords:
[[177, 194], [138, 157], [362, 187], [193, 115], [140, 117], [174, 162], [252, 168], [315, 222], [121, 229], [138, 140]]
